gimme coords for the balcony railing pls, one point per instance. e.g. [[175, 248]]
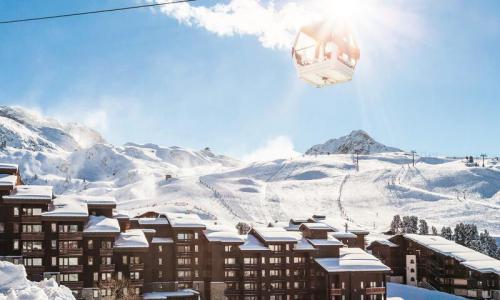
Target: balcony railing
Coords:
[[71, 269], [107, 268], [335, 292], [74, 285], [105, 252], [136, 267], [375, 290], [70, 236], [136, 282], [71, 252], [33, 236], [31, 219], [34, 269], [33, 253]]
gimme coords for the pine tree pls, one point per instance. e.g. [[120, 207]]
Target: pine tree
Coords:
[[410, 224], [396, 224], [447, 233], [488, 244], [459, 234], [471, 235], [423, 228], [434, 230]]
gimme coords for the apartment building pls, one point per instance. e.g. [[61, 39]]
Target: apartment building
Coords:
[[435, 262], [99, 253]]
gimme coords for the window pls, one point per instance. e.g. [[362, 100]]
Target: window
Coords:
[[183, 249], [229, 261], [68, 228], [53, 227], [96, 293], [160, 248], [250, 260], [229, 273], [275, 273], [183, 261], [15, 211], [135, 260], [160, 274], [29, 228], [90, 261], [90, 244], [184, 236], [275, 260], [124, 260], [68, 261], [119, 275], [228, 248], [299, 260], [68, 277], [196, 260], [54, 261], [106, 244], [250, 273], [276, 248], [32, 211], [160, 261], [195, 248], [32, 245], [106, 260], [32, 262], [2, 227], [195, 273], [196, 235], [362, 285], [106, 276], [184, 274], [135, 275], [15, 227], [250, 286], [15, 244], [263, 260], [68, 245], [96, 276], [53, 244], [276, 285]]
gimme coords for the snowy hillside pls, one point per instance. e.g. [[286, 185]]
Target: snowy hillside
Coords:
[[441, 190], [357, 141]]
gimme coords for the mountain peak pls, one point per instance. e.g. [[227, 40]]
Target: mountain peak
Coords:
[[357, 141]]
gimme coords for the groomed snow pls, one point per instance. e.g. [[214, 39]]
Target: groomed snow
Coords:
[[67, 206], [133, 238], [352, 260], [97, 224], [31, 192], [15, 286]]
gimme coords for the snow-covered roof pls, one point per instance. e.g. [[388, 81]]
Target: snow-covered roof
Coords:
[[303, 245], [466, 256], [7, 180], [253, 244], [153, 221], [225, 237], [275, 234], [13, 167], [162, 240], [317, 226], [182, 220], [385, 242], [343, 235], [352, 260], [169, 295], [67, 206], [100, 200], [30, 192], [330, 241], [133, 238], [101, 224], [121, 215]]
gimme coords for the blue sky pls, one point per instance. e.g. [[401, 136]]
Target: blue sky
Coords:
[[430, 82]]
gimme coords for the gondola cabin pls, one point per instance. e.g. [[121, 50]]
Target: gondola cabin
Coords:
[[324, 54]]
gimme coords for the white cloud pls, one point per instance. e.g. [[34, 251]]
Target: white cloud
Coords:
[[278, 147]]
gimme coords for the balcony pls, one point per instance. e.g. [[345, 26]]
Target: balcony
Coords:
[[70, 236], [136, 267], [136, 282], [73, 285], [71, 269], [33, 253], [106, 252], [335, 292], [31, 219], [107, 268], [71, 252], [33, 236], [34, 269], [375, 290]]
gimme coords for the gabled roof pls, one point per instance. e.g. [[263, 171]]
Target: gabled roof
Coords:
[[253, 244], [352, 260], [101, 224], [316, 226]]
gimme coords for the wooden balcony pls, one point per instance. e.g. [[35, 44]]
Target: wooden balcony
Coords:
[[71, 252], [73, 285], [375, 290], [106, 252], [136, 267], [31, 219], [33, 236], [136, 282], [335, 292], [33, 253], [34, 269], [70, 236], [71, 269], [107, 268]]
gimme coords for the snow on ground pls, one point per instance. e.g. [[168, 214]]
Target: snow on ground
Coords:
[[397, 291], [444, 191], [15, 286]]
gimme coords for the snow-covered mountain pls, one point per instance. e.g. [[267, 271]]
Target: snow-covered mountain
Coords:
[[444, 191], [357, 141]]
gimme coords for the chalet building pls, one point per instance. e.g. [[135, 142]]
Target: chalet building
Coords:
[[101, 253], [438, 263]]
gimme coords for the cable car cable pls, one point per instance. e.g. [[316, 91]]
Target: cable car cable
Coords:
[[93, 12]]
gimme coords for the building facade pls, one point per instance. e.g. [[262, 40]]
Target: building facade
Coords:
[[99, 253]]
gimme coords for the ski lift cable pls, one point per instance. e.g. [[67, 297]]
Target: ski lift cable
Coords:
[[94, 12]]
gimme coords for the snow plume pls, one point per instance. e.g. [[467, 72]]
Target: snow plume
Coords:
[[279, 147]]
